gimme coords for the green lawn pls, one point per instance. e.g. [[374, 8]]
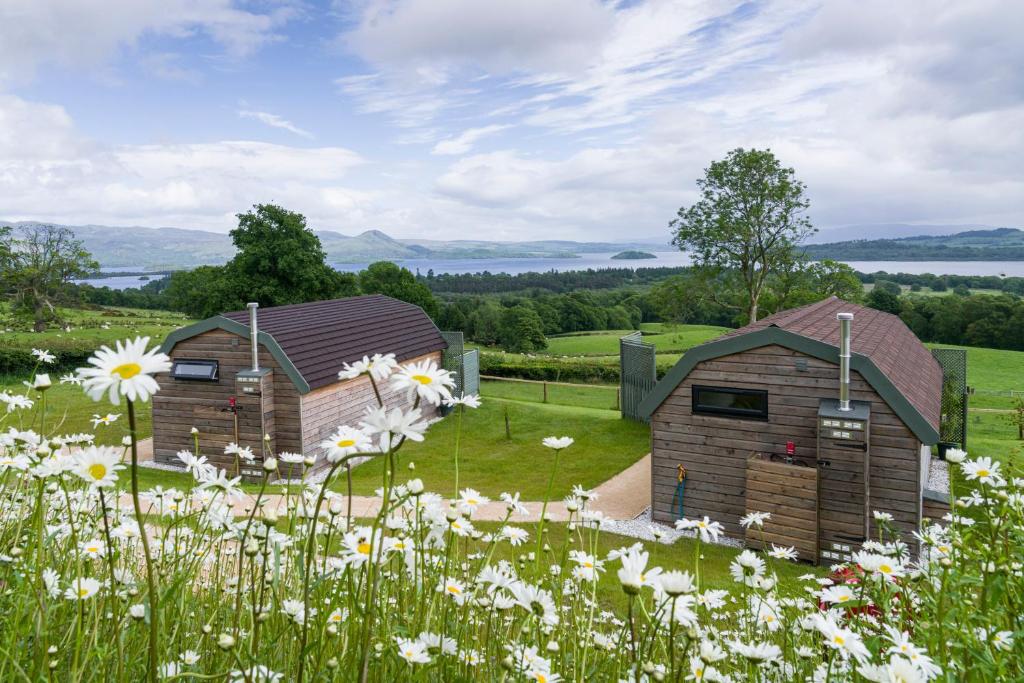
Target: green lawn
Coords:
[[491, 463], [91, 327], [601, 396], [992, 370], [666, 339], [70, 411]]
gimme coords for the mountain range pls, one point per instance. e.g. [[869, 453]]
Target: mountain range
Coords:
[[145, 248], [173, 248]]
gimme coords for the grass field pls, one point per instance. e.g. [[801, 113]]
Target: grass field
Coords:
[[491, 463], [91, 327], [666, 339]]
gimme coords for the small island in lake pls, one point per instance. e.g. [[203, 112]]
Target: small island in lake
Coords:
[[633, 255]]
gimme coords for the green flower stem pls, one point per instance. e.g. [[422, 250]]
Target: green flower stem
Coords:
[[154, 598]]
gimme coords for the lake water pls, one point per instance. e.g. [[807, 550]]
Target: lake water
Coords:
[[514, 266]]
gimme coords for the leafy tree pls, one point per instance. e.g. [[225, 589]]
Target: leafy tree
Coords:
[[484, 324], [889, 286], [280, 261], [750, 219], [38, 266], [521, 330], [882, 299], [384, 277], [203, 292]]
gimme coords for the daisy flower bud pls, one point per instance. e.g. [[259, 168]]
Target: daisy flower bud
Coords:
[[225, 641]]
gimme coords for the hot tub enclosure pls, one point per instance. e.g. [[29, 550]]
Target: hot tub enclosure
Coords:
[[286, 385], [738, 411]]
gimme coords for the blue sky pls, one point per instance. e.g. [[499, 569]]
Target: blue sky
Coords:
[[575, 119]]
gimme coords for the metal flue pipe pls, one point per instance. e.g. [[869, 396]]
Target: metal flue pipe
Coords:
[[254, 335], [844, 359]]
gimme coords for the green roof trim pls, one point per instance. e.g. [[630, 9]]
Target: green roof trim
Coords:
[[767, 336], [219, 322]]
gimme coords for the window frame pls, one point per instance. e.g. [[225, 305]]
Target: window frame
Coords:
[[730, 413], [215, 364]]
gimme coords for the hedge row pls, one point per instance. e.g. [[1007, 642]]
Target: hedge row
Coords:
[[19, 362], [554, 369]]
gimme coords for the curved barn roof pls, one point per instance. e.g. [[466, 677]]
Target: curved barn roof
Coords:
[[885, 352], [311, 341]]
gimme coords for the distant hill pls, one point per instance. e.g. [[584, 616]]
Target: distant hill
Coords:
[[145, 248], [889, 231], [995, 244]]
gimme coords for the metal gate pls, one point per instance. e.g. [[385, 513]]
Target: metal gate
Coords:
[[637, 374], [953, 427]]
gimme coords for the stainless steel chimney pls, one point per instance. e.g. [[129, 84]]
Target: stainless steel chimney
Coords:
[[254, 335], [844, 360]]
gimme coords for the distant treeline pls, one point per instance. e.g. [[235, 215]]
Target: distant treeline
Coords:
[[942, 283], [995, 321], [550, 281]]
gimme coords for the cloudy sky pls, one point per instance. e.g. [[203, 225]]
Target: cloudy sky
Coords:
[[517, 119]]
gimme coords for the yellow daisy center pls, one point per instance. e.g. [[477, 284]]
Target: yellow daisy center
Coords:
[[541, 678], [335, 617], [454, 590], [423, 379], [363, 548], [844, 598], [127, 370], [346, 443], [83, 592], [97, 470], [838, 640], [982, 473], [92, 549], [885, 569]]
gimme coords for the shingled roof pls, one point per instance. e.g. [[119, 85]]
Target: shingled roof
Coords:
[[316, 338], [881, 342]]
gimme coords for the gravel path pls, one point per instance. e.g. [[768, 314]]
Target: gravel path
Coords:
[[938, 476]]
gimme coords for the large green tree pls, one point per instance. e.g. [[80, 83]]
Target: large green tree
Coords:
[[749, 220], [385, 277], [521, 330], [38, 266], [280, 261]]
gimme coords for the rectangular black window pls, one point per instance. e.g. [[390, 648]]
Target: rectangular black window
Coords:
[[195, 370], [751, 404]]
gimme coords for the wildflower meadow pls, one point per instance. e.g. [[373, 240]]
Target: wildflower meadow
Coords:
[[101, 581]]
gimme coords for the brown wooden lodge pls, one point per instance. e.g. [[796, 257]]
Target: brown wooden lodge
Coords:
[[283, 383], [783, 416]]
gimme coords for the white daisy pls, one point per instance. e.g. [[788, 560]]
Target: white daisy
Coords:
[[377, 366], [345, 442], [558, 442], [98, 465], [124, 371], [431, 383], [82, 589]]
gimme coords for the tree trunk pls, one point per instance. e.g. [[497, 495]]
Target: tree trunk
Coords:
[[752, 312]]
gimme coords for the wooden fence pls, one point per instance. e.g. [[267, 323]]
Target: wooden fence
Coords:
[[790, 494]]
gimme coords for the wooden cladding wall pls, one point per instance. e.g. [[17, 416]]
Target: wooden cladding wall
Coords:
[[934, 510], [790, 494], [181, 405], [341, 403], [715, 450]]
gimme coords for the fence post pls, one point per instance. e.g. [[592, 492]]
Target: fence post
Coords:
[[618, 398], [545, 392]]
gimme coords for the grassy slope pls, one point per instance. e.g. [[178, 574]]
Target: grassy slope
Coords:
[[666, 339], [87, 327]]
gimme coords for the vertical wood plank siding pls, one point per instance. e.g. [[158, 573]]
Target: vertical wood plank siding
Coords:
[[715, 450], [181, 405]]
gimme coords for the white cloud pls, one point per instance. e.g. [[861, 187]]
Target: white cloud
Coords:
[[85, 33], [48, 171], [274, 121], [464, 141]]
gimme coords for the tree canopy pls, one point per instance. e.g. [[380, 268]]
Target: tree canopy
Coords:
[[749, 221], [385, 277], [279, 261], [38, 266]]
